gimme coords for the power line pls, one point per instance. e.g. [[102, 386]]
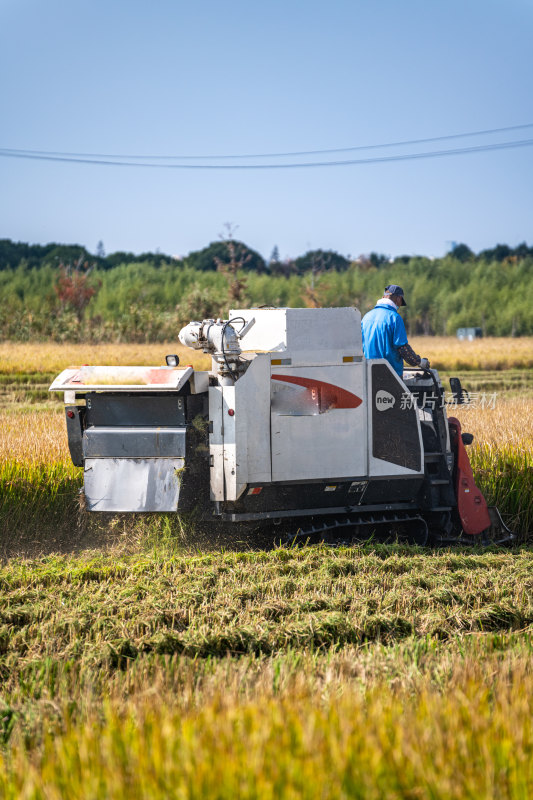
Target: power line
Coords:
[[295, 165], [63, 154]]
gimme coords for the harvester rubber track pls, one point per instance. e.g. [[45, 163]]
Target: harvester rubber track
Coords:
[[386, 527], [347, 530]]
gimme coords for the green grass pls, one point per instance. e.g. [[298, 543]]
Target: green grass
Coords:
[[46, 497], [26, 389], [505, 476], [26, 378], [37, 502]]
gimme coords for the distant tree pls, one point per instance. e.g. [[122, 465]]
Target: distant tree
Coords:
[[274, 257], [12, 253], [67, 254], [523, 251], [156, 258], [498, 253], [120, 257], [285, 267], [315, 263], [200, 303], [461, 252], [321, 261], [210, 257], [231, 263], [378, 259], [375, 260], [100, 249], [363, 262], [72, 287]]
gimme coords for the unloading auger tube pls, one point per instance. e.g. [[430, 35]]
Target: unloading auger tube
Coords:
[[290, 425]]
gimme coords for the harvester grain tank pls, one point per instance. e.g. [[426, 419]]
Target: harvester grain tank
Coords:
[[291, 423]]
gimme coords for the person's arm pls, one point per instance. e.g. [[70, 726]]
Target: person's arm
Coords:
[[408, 354], [405, 350]]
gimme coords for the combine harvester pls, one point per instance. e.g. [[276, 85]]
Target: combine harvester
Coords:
[[291, 424]]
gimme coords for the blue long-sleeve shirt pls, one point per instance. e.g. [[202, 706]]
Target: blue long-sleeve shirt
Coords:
[[383, 333]]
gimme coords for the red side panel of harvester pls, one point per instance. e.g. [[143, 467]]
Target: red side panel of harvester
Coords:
[[471, 505]]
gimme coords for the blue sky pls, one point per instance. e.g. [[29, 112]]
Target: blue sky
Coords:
[[169, 77]]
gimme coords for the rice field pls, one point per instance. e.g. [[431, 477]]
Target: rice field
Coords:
[[444, 352], [52, 358], [492, 353], [34, 455], [138, 661]]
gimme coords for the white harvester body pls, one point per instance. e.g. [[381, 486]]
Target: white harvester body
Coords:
[[301, 410]]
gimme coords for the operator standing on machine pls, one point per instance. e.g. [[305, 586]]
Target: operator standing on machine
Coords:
[[384, 334]]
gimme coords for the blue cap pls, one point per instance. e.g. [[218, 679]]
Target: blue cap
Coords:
[[394, 289]]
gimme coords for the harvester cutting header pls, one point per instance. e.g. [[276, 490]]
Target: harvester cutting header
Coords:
[[291, 423]]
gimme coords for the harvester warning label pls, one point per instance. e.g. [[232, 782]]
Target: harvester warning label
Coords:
[[384, 400]]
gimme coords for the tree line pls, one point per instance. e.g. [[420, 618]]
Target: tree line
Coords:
[[62, 292], [34, 256]]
